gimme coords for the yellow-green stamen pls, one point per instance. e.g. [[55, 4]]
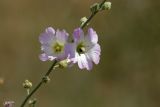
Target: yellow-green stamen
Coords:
[[57, 48]]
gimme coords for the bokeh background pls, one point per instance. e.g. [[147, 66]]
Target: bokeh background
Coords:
[[129, 71]]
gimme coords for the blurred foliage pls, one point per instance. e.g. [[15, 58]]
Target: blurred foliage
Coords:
[[128, 74]]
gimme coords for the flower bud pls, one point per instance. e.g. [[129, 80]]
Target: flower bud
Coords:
[[95, 7], [83, 19], [27, 84], [106, 6], [32, 102], [63, 63], [46, 79]]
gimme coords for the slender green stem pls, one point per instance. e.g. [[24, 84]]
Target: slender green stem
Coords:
[[39, 84], [92, 15], [55, 62]]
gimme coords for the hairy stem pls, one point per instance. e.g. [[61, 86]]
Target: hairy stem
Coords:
[[39, 84]]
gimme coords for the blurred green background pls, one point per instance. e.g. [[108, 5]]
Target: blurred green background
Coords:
[[129, 71]]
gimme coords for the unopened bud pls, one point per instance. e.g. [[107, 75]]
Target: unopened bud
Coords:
[[63, 63], [95, 7], [106, 6], [83, 20], [46, 79], [27, 84], [32, 102]]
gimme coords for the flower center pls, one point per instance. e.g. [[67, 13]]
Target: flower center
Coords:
[[81, 48], [57, 48]]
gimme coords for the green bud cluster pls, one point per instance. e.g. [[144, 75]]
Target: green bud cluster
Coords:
[[97, 7]]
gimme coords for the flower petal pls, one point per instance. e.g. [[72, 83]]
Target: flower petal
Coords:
[[43, 57], [70, 50], [90, 64], [61, 56], [51, 58], [81, 61], [84, 62], [50, 31], [61, 36], [78, 34], [94, 53], [92, 36], [47, 36], [47, 49]]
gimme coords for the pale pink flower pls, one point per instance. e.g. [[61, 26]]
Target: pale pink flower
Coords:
[[54, 45], [87, 49]]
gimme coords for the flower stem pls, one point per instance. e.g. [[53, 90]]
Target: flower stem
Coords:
[[39, 84], [43, 80], [92, 15]]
